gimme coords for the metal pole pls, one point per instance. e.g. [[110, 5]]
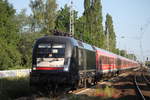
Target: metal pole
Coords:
[[141, 45], [71, 18], [107, 41], [119, 49]]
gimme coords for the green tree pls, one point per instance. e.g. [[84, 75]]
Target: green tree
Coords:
[[86, 22], [44, 15], [132, 56], [97, 23], [50, 15], [37, 7], [110, 34], [63, 19], [123, 53], [23, 22], [25, 48], [93, 29], [9, 37], [80, 29], [27, 37]]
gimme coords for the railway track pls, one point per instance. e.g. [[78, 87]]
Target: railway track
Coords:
[[141, 82], [146, 79], [83, 91], [138, 89]]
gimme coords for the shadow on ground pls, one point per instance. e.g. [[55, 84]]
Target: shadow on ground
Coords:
[[86, 97], [11, 88]]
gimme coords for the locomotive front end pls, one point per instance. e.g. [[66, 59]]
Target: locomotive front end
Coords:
[[51, 61]]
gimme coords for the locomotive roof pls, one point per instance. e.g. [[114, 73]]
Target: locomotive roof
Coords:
[[48, 38]]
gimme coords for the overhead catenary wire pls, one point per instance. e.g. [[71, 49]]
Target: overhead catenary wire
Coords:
[[143, 29]]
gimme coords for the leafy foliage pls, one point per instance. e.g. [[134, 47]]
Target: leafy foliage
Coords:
[[63, 19], [110, 34], [9, 37], [93, 23], [25, 48], [44, 15], [22, 21], [19, 31]]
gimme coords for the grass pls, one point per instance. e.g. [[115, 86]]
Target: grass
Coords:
[[105, 92], [11, 88], [17, 68], [97, 93]]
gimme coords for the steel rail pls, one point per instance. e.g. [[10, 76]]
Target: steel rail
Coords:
[[147, 81], [138, 88]]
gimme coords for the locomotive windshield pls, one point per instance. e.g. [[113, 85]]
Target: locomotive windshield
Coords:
[[50, 55]]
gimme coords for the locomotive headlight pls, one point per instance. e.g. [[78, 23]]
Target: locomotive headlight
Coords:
[[34, 68]]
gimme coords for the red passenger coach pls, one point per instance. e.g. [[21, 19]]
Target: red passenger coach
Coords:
[[107, 62]]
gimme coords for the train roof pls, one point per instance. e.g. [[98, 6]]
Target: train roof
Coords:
[[47, 38], [81, 44], [72, 40], [115, 55]]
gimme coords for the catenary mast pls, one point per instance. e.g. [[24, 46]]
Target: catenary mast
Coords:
[[71, 18]]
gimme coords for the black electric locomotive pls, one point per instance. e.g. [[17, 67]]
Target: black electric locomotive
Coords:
[[62, 61]]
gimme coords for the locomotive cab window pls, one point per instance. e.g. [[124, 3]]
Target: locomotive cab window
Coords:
[[50, 55]]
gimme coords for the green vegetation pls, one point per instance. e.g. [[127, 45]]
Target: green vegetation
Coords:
[[9, 37], [110, 34], [44, 15], [19, 31], [93, 28]]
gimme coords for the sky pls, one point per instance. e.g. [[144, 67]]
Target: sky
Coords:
[[131, 20]]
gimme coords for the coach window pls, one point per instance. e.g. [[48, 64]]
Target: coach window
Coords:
[[108, 62], [122, 62], [118, 62], [111, 60], [107, 58], [115, 61], [103, 60], [100, 60]]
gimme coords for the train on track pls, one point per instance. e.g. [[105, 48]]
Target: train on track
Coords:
[[59, 61]]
